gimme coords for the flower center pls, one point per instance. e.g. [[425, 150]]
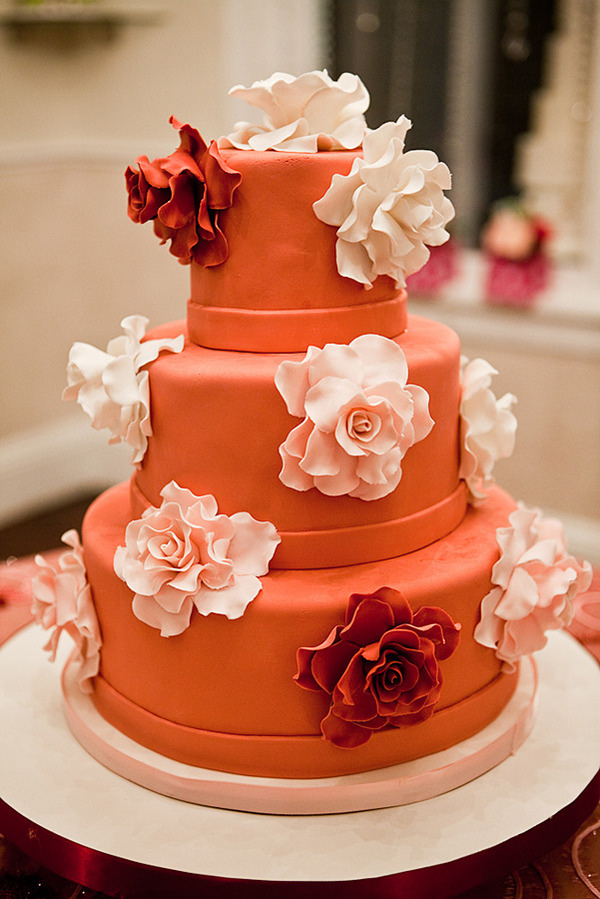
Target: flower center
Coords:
[[361, 425]]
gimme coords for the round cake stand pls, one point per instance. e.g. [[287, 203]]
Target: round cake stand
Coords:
[[89, 825]]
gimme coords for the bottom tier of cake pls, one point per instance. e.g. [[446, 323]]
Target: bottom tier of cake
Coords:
[[222, 694]]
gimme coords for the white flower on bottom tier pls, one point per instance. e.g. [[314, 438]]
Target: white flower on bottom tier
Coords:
[[360, 418], [488, 427], [535, 582], [110, 386], [62, 600], [302, 115], [388, 208], [184, 554]]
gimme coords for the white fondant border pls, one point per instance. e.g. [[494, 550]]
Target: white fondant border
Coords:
[[48, 778], [398, 785]]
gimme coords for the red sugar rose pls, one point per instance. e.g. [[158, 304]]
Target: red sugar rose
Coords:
[[380, 667], [183, 194]]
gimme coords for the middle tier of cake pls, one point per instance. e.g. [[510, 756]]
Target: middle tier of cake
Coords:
[[218, 422]]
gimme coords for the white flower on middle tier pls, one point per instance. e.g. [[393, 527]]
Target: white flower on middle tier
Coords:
[[360, 418], [184, 555], [488, 427], [111, 387], [388, 208]]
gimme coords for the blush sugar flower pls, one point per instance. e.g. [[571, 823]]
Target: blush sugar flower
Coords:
[[62, 601], [185, 555], [360, 418], [534, 584]]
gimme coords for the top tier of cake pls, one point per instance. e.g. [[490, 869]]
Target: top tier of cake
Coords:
[[279, 289], [299, 231]]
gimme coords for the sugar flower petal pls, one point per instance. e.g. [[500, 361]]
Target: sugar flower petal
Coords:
[[62, 601]]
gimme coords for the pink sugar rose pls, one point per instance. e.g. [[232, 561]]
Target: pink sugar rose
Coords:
[[360, 418], [380, 668], [185, 554], [183, 194], [535, 582], [62, 601]]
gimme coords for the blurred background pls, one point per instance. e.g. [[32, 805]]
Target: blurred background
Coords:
[[507, 92]]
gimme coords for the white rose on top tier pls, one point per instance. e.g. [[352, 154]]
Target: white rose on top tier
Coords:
[[360, 418], [302, 115], [110, 386], [389, 206]]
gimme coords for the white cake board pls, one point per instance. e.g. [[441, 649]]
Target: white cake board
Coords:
[[401, 784], [48, 779]]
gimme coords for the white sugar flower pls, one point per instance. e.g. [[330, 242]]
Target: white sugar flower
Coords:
[[534, 584], [388, 208], [488, 427], [302, 115], [360, 418], [111, 387], [184, 555], [62, 601]]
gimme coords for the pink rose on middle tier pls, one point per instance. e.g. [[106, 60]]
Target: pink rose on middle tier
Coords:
[[360, 418], [380, 667]]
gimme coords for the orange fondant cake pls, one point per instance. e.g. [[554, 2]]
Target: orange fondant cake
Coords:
[[310, 573]]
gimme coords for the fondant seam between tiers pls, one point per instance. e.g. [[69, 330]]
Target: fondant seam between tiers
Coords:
[[338, 547], [302, 755], [292, 330]]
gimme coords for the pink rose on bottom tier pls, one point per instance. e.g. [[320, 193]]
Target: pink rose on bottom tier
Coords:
[[534, 584], [380, 667], [62, 601], [185, 554]]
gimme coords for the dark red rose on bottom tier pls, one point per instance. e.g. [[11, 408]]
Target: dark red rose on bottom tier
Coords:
[[380, 667]]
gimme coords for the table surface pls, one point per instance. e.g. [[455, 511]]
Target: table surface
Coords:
[[567, 872]]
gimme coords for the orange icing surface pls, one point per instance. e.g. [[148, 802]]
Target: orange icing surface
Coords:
[[282, 257], [222, 693], [218, 421]]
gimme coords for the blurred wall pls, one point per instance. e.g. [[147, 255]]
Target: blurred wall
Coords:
[[77, 105]]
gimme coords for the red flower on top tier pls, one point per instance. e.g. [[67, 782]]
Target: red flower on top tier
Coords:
[[183, 194], [380, 667]]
